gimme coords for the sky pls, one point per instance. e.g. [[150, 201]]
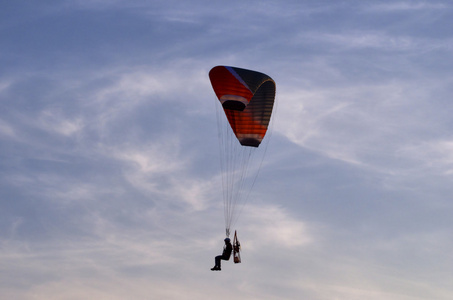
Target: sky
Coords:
[[109, 160]]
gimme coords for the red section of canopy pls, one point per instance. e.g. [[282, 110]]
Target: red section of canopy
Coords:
[[245, 126], [225, 83]]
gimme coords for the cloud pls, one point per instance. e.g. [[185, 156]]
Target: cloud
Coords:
[[382, 127], [370, 40], [161, 168], [405, 6], [6, 129], [432, 156], [54, 121], [273, 226]]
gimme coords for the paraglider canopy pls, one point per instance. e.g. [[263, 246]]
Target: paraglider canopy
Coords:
[[247, 98]]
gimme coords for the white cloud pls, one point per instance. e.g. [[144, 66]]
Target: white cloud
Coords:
[[273, 226], [6, 129], [55, 121], [403, 6], [364, 124], [4, 85], [154, 158], [434, 155], [375, 40]]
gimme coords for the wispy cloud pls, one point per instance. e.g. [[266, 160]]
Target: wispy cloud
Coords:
[[406, 6], [272, 225]]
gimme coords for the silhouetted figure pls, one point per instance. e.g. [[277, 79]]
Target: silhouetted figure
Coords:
[[227, 249]]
